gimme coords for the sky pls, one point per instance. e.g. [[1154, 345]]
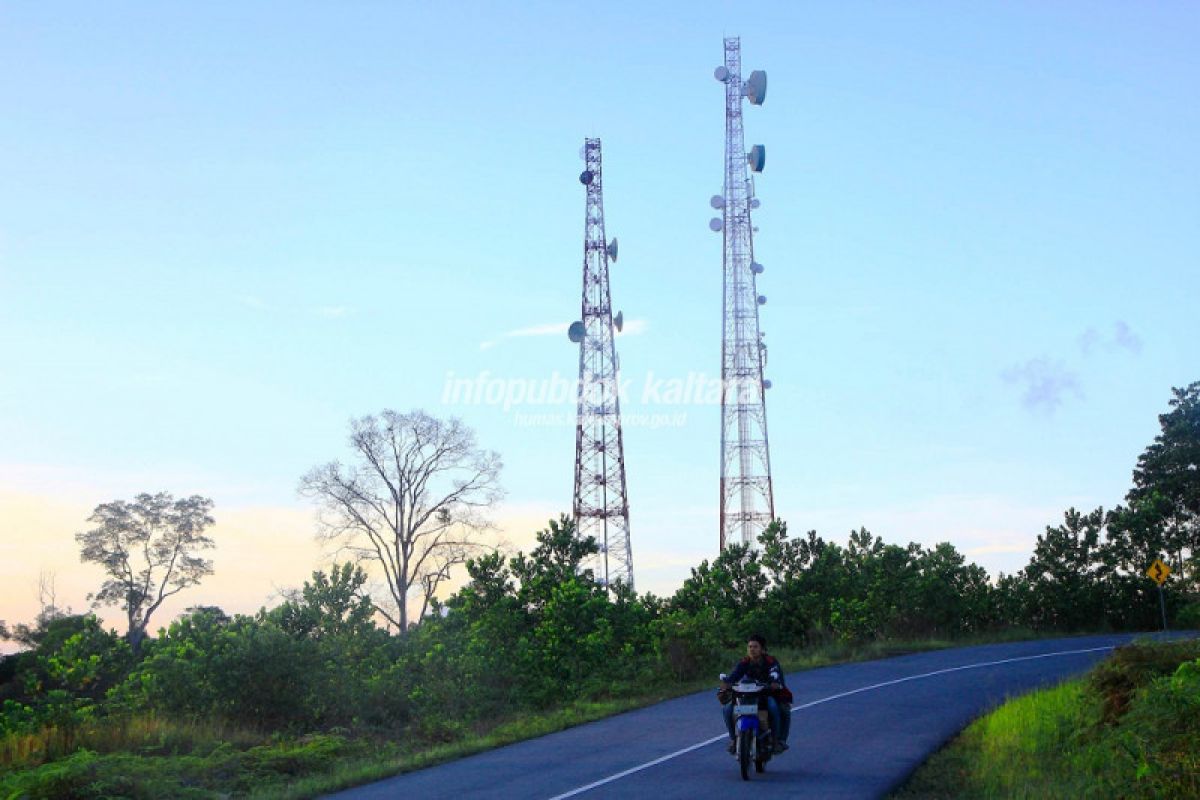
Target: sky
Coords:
[[227, 229]]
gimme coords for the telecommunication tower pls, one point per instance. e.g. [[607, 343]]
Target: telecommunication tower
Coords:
[[747, 499], [601, 504]]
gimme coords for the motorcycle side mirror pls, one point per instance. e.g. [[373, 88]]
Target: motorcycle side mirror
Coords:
[[724, 678]]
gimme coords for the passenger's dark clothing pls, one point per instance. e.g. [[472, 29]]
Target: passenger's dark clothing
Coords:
[[766, 670]]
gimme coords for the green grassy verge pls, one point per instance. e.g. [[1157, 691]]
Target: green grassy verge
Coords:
[[1131, 728], [150, 757]]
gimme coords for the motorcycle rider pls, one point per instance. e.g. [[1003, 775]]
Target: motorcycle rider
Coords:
[[759, 666]]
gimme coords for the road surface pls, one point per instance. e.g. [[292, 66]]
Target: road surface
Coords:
[[858, 731]]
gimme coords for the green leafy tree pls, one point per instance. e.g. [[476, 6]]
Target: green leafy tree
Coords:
[[1167, 480], [148, 548], [1064, 573], [72, 654], [786, 608], [241, 669], [333, 605], [558, 557]]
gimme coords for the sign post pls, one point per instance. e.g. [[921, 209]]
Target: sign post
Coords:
[[1158, 572]]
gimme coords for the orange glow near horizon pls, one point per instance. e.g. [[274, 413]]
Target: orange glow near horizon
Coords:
[[260, 551]]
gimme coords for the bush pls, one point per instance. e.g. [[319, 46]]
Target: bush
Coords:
[[1188, 617], [84, 775], [1133, 667]]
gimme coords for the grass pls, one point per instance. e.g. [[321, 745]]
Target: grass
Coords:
[[153, 757], [1131, 728], [143, 735]]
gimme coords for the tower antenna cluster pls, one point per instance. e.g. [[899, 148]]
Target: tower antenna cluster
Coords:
[[747, 499], [601, 506]]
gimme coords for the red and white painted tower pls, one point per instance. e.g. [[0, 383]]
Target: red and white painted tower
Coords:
[[747, 499], [601, 503]]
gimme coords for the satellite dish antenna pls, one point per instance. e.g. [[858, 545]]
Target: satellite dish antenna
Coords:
[[756, 87], [715, 224], [586, 177], [756, 268], [612, 249], [619, 321], [721, 73], [717, 202], [754, 203], [762, 299], [757, 158], [766, 384], [575, 332]]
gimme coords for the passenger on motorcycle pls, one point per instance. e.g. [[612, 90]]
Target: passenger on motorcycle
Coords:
[[759, 666]]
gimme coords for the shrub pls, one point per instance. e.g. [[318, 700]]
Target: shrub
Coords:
[[1133, 667], [1188, 617]]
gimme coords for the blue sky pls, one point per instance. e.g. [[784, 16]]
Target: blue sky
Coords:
[[226, 229]]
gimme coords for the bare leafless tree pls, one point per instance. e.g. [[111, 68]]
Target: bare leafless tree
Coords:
[[31, 635], [414, 501]]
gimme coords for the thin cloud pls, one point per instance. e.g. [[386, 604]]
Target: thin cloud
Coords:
[[1044, 383], [631, 327], [1125, 339], [333, 312], [552, 329], [1122, 337]]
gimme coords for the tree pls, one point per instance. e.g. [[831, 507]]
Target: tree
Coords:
[[1065, 574], [148, 548], [329, 606], [49, 611], [1168, 477], [414, 501]]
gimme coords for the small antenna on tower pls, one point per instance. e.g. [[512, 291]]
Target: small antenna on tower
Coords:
[[756, 87]]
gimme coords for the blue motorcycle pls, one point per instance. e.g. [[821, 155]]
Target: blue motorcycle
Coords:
[[754, 738]]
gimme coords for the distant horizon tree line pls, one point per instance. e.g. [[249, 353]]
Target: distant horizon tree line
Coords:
[[413, 503]]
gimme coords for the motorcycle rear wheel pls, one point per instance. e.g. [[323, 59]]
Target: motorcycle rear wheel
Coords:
[[745, 745]]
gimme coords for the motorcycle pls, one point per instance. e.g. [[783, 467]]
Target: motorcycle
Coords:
[[754, 739]]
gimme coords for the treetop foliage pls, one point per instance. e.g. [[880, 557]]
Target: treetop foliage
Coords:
[[148, 549]]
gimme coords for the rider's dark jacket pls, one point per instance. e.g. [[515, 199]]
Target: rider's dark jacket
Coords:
[[766, 670]]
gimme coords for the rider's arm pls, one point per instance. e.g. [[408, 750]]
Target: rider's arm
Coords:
[[739, 669], [777, 669]]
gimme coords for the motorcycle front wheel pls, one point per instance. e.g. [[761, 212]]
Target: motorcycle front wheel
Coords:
[[745, 745]]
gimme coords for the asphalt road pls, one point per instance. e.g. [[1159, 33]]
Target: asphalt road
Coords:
[[858, 730]]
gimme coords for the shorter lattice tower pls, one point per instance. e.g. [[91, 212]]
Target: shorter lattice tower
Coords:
[[747, 499], [601, 504]]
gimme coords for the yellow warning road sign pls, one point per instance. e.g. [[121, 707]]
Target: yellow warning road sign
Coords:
[[1158, 571]]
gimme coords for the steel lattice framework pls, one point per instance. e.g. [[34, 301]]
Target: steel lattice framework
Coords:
[[747, 499], [601, 503]]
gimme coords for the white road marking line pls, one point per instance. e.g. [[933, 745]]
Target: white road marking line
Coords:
[[945, 671], [812, 703]]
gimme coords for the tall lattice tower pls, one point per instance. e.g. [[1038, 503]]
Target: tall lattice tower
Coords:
[[747, 499], [601, 503]]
